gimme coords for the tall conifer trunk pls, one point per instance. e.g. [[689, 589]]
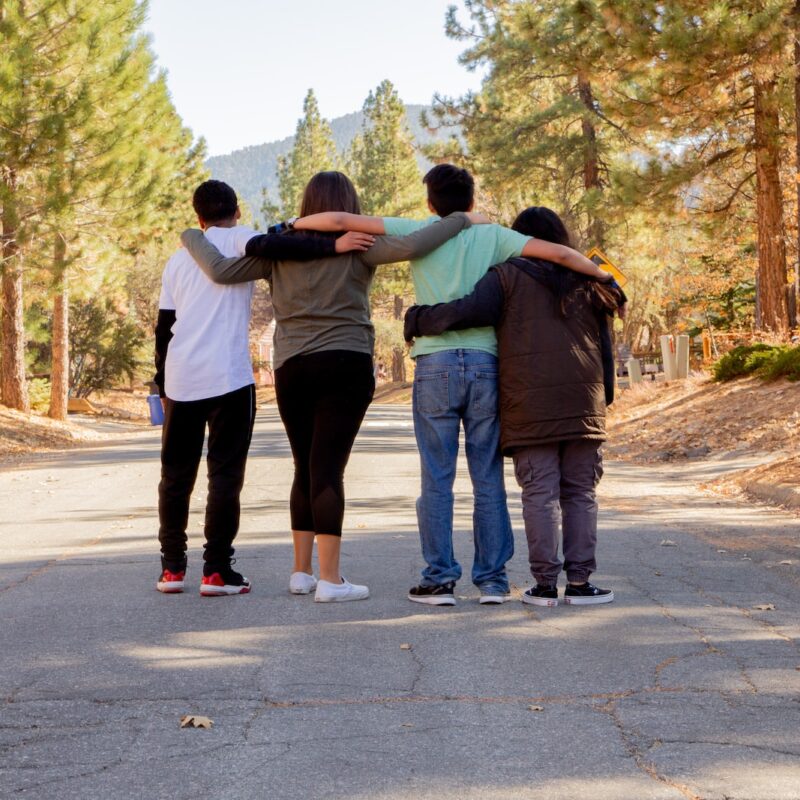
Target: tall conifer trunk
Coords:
[[13, 388], [772, 311], [796, 31], [59, 370], [591, 158], [398, 356]]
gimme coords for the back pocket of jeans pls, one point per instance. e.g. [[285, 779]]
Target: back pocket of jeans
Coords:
[[486, 391], [432, 393]]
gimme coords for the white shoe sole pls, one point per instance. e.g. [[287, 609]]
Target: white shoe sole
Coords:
[[223, 591], [433, 600], [170, 587], [343, 598], [589, 601], [494, 599], [543, 602]]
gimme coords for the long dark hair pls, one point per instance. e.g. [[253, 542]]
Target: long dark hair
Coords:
[[543, 223], [329, 191]]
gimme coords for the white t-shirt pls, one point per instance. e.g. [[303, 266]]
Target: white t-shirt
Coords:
[[209, 353]]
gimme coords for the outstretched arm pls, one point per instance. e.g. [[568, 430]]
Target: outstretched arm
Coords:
[[481, 307], [343, 221], [566, 256], [340, 221], [389, 249], [263, 251], [220, 269]]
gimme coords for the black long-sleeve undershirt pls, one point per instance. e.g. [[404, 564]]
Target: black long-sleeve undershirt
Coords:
[[166, 319], [291, 246]]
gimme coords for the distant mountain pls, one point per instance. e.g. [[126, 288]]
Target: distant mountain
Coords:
[[253, 168]]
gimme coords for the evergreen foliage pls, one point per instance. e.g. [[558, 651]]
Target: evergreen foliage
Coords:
[[384, 169], [96, 165], [313, 151], [768, 361], [106, 345]]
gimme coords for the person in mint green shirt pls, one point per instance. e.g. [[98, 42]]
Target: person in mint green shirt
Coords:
[[453, 270], [455, 383]]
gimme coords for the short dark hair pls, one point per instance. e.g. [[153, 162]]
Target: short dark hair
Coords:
[[329, 191], [542, 223], [450, 189], [215, 201]]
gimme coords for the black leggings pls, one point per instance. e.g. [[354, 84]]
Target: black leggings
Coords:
[[322, 398]]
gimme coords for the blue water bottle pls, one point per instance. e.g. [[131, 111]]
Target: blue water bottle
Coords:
[[156, 409]]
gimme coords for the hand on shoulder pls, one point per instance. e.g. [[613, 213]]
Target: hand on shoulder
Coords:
[[353, 240]]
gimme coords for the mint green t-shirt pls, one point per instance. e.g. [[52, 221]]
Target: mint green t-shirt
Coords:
[[452, 271]]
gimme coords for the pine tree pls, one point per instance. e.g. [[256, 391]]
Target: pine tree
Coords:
[[385, 172], [546, 126], [313, 151], [95, 155], [714, 91], [35, 107]]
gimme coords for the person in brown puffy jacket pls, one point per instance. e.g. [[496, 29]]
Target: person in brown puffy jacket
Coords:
[[556, 379]]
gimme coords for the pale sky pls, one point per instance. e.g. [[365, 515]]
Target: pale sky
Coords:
[[238, 69]]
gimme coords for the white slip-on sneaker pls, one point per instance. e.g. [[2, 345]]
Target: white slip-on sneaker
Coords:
[[302, 583], [328, 592]]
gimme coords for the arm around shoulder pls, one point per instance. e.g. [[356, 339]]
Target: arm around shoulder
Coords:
[[337, 221], [483, 306], [389, 249], [566, 256], [220, 269]]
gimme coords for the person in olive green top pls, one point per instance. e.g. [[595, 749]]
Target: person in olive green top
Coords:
[[324, 342]]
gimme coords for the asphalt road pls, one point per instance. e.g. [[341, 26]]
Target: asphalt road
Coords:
[[681, 688]]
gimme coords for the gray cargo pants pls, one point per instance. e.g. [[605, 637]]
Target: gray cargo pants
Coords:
[[559, 480]]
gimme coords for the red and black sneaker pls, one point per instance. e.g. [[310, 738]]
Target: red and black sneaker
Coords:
[[171, 582], [224, 582]]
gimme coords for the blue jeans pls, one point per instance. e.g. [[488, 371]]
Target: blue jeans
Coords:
[[452, 387]]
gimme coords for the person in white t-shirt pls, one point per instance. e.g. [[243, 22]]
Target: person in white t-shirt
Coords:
[[205, 377]]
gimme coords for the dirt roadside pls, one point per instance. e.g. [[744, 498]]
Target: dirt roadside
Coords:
[[699, 419], [690, 420]]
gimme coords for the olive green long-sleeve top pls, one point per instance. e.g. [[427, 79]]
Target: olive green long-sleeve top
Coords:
[[321, 304]]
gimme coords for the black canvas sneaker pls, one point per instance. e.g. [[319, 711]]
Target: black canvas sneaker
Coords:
[[433, 595], [587, 594], [541, 596]]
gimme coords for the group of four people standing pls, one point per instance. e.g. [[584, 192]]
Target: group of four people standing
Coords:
[[552, 325]]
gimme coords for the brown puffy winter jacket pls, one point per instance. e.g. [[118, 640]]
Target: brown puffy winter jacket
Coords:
[[551, 371]]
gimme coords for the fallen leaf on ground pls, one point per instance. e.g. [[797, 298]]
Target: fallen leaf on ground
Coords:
[[194, 721], [657, 573], [406, 725], [765, 607], [535, 708], [668, 543], [786, 561], [405, 646]]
